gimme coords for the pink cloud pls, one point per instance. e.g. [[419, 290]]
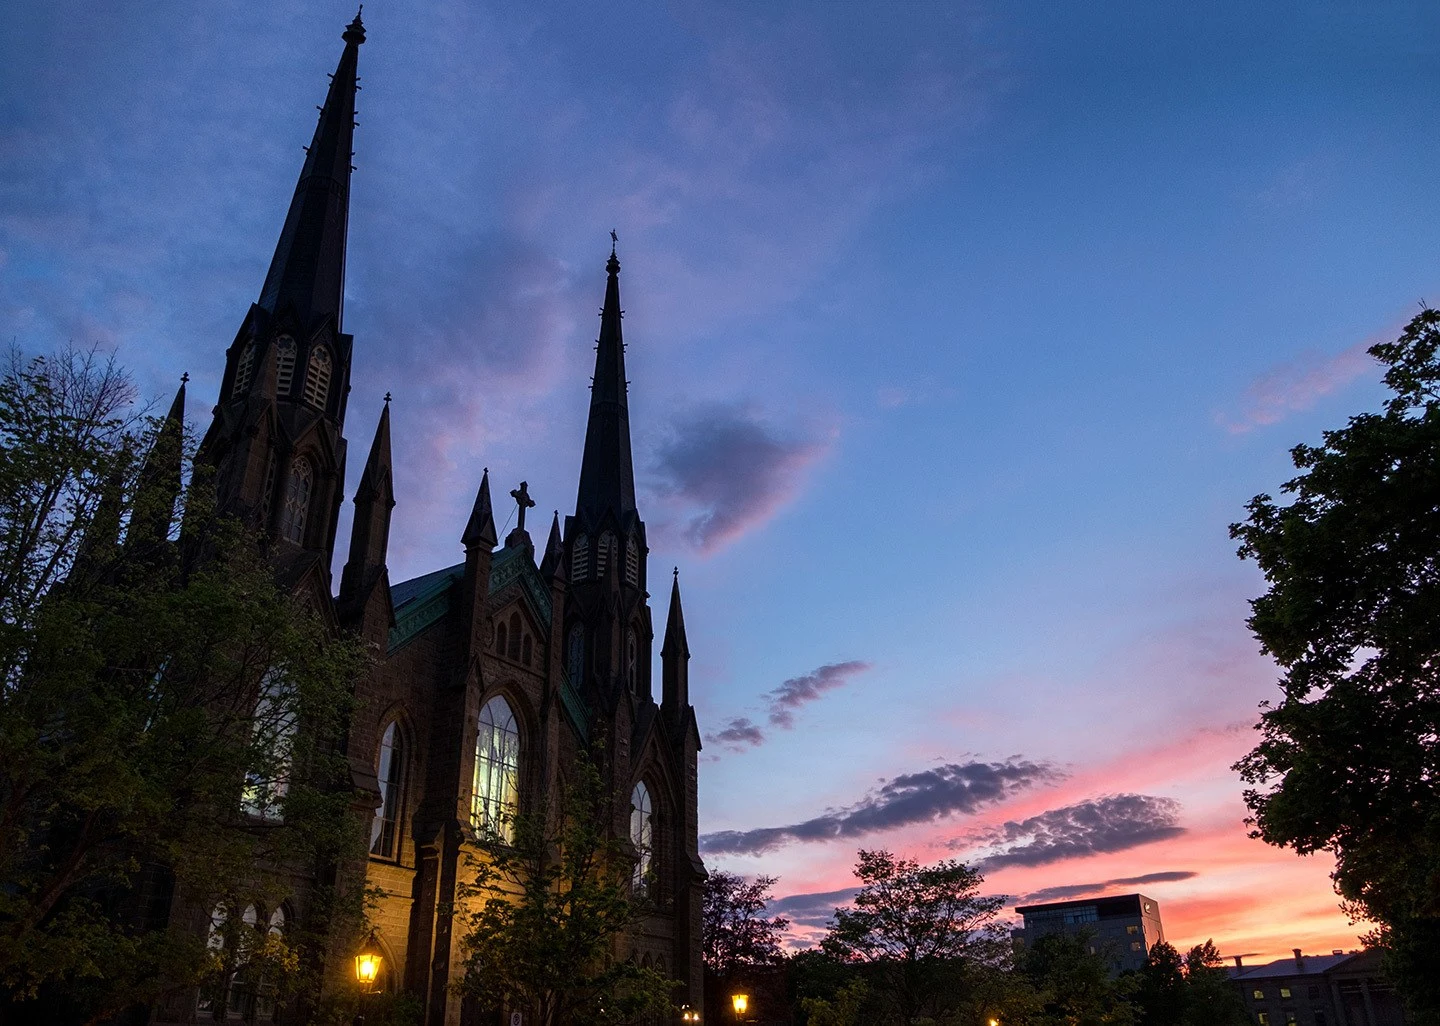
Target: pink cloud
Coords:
[[1296, 386]]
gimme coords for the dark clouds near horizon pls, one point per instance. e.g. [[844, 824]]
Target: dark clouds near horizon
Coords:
[[1109, 823], [724, 469], [1066, 891], [933, 794]]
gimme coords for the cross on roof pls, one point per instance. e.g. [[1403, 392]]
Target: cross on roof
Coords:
[[522, 499]]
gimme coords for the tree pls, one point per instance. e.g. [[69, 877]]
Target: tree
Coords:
[[735, 932], [1210, 998], [131, 717], [1348, 761], [1074, 985], [548, 910], [1161, 993], [920, 928]]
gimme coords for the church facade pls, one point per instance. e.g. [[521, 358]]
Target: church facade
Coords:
[[490, 676]]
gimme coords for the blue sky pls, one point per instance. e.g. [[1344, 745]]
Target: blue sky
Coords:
[[957, 332]]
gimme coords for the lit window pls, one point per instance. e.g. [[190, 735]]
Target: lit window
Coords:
[[632, 660], [284, 364], [497, 771], [297, 501], [272, 741], [1262, 1018], [575, 656], [641, 834], [244, 368], [580, 558], [317, 378], [389, 771], [632, 562], [1132, 930], [1284, 992], [1258, 994]]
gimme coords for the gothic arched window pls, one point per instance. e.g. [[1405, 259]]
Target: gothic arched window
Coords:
[[632, 660], [500, 635], [642, 834], [297, 501], [390, 772], [514, 651], [244, 368], [317, 378], [575, 656], [272, 732], [284, 364], [632, 562], [526, 651], [497, 771], [580, 558]]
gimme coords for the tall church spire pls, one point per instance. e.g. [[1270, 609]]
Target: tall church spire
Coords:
[[370, 531], [607, 474], [307, 274]]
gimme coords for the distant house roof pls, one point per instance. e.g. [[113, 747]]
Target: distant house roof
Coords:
[[1309, 965]]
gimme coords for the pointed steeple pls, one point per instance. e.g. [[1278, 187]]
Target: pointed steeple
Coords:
[[675, 659], [675, 642], [554, 550], [480, 530], [607, 475], [374, 499], [307, 274], [159, 482]]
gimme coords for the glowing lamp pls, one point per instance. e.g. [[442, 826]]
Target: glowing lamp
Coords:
[[367, 964], [740, 1002], [688, 1014]]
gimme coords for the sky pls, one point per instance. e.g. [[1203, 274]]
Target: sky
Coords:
[[958, 333]]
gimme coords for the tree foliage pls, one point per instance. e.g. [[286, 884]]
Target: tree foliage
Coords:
[[130, 712], [548, 913], [921, 928], [1073, 986], [1349, 758], [736, 934]]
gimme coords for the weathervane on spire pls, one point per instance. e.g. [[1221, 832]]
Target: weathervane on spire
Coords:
[[614, 241]]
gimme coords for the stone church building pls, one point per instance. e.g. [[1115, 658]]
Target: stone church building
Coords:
[[491, 674]]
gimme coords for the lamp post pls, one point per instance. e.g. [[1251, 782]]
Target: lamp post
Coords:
[[367, 972], [740, 1002]]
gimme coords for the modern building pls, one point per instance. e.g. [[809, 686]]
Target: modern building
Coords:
[[1122, 928], [1338, 989], [490, 675]]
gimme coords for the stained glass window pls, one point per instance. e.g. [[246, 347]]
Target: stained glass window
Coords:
[[641, 834], [390, 772], [497, 771], [297, 501]]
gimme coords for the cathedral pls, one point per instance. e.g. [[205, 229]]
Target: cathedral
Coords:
[[491, 675]]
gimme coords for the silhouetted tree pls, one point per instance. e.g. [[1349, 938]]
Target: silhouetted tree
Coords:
[[1160, 993], [1348, 760], [736, 932], [918, 929], [1210, 998], [166, 721]]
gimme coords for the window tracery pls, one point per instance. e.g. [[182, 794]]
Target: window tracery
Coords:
[[497, 771], [284, 364], [244, 369], [390, 772], [297, 501], [580, 558], [317, 378], [642, 835]]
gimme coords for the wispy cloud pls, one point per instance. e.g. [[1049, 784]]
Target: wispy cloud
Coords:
[[724, 470], [810, 910], [924, 797], [1295, 386], [1109, 823], [798, 691], [1066, 891]]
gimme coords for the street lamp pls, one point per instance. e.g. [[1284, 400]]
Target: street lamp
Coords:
[[740, 1002], [367, 972], [688, 1014]]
